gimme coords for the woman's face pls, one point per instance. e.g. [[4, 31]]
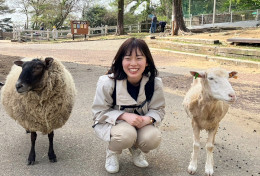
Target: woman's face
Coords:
[[134, 65]]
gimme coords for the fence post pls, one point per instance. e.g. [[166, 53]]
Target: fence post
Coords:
[[31, 36], [19, 35], [138, 27], [105, 29], [89, 31], [231, 16], [48, 34], [202, 18], [257, 13], [190, 19], [14, 33], [130, 28]]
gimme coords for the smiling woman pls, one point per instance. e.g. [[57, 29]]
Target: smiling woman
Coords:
[[129, 105]]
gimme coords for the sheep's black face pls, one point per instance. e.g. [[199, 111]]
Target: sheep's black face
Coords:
[[31, 75]]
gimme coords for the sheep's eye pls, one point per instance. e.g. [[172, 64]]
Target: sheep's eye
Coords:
[[211, 78]]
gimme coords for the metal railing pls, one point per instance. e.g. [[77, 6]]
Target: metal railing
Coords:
[[235, 16]]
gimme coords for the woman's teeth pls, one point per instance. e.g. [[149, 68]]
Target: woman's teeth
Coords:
[[133, 69]]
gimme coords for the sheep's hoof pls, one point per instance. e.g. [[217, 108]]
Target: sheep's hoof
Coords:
[[31, 158], [54, 160], [52, 157], [192, 168], [31, 162]]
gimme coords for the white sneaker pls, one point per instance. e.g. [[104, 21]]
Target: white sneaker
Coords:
[[138, 157], [112, 164]]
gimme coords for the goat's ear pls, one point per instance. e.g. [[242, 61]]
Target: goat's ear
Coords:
[[232, 74], [48, 61], [18, 63], [198, 74]]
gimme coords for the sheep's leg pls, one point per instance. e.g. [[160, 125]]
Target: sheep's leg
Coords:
[[196, 145], [209, 148], [32, 155], [51, 154]]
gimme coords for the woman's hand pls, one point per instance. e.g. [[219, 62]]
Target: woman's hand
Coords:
[[131, 118], [146, 121]]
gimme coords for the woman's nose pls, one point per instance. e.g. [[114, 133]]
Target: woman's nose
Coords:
[[133, 61]]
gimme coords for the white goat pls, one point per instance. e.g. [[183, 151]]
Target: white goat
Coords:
[[206, 103]]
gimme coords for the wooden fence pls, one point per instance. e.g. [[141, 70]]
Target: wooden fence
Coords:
[[20, 34]]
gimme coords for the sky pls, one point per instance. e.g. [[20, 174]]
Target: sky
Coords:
[[20, 19]]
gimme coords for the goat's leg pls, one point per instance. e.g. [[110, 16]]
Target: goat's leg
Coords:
[[51, 154], [209, 148], [196, 145], [32, 155]]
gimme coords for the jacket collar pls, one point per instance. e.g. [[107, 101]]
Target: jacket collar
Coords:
[[124, 98]]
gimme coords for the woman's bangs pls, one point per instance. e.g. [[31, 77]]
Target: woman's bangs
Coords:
[[133, 46]]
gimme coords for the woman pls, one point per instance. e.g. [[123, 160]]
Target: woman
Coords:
[[129, 105]]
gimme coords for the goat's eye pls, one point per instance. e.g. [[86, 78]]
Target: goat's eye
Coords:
[[211, 78]]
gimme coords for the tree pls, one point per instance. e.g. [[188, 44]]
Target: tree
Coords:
[[23, 6], [4, 8], [6, 25], [120, 17], [178, 17], [98, 15], [39, 7]]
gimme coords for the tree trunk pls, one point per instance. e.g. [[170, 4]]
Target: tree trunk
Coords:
[[179, 22], [120, 17]]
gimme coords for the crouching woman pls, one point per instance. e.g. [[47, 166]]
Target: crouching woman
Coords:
[[129, 105]]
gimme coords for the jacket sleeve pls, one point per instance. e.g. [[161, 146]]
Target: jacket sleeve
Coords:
[[102, 107], [156, 107]]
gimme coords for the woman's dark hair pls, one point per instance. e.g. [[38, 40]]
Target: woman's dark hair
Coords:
[[127, 47]]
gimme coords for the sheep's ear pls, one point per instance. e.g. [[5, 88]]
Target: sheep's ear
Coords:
[[197, 74], [232, 74], [18, 63], [48, 61]]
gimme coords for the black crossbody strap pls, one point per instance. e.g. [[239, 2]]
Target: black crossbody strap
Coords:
[[149, 90]]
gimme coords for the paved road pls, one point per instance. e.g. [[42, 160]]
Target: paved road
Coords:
[[78, 150]]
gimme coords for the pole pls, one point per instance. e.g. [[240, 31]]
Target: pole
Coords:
[[214, 12], [230, 6], [189, 8], [173, 18]]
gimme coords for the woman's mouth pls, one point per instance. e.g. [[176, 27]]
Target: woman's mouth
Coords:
[[133, 70]]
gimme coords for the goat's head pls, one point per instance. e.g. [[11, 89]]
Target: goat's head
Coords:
[[32, 73], [215, 82]]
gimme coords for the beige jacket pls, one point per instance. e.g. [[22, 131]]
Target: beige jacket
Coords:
[[105, 115]]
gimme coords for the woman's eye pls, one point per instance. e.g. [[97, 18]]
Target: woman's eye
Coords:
[[211, 78]]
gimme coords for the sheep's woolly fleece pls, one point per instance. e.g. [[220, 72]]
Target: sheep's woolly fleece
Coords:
[[43, 110]]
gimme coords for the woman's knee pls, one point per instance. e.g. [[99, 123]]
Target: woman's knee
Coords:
[[149, 139], [122, 138]]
